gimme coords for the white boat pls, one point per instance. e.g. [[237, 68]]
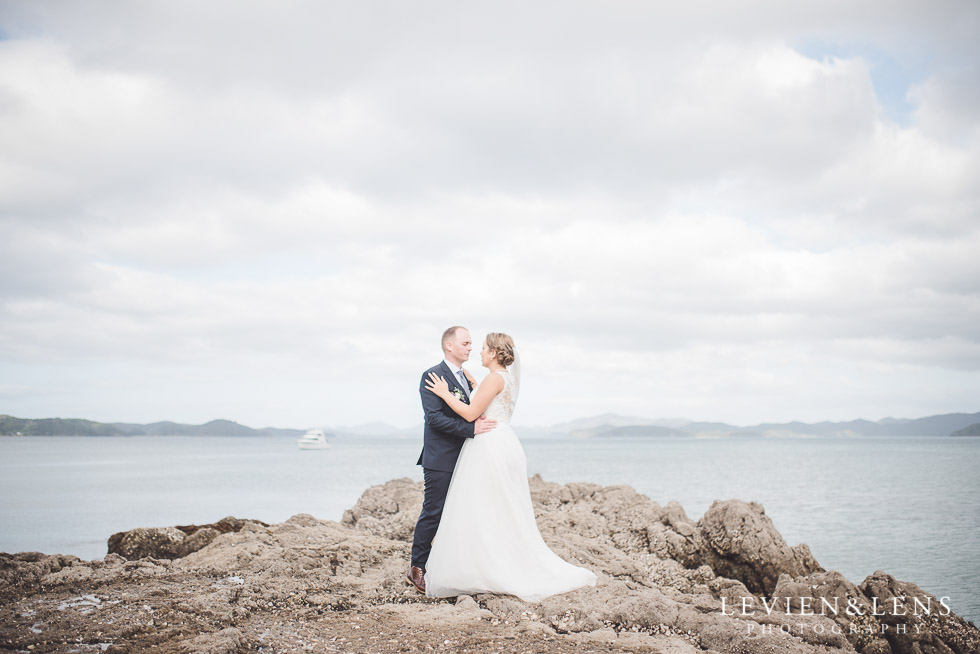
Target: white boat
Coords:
[[313, 439]]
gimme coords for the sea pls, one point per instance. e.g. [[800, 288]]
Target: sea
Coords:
[[909, 506]]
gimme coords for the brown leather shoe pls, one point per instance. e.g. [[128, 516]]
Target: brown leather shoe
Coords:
[[416, 577]]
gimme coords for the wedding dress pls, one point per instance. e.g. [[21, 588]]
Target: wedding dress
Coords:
[[488, 541]]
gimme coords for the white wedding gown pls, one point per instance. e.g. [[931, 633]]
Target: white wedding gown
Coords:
[[488, 541]]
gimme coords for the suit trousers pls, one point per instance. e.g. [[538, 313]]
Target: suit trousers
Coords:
[[436, 489]]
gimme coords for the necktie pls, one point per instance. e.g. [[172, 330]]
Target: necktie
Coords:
[[462, 379]]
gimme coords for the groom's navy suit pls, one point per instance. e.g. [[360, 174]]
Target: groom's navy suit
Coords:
[[445, 433]]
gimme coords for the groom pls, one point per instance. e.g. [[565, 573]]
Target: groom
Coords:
[[445, 433]]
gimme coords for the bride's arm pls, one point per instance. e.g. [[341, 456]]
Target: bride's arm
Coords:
[[485, 392]]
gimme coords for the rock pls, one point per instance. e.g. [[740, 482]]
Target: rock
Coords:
[[389, 510], [303, 520], [30, 567], [318, 585], [153, 542], [732, 590], [740, 541], [74, 574], [225, 641], [915, 621], [223, 526], [198, 539], [832, 594], [173, 542]]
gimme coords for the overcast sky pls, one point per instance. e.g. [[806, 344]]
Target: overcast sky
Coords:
[[269, 211]]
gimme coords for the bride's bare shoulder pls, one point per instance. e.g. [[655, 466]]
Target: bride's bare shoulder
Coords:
[[494, 382]]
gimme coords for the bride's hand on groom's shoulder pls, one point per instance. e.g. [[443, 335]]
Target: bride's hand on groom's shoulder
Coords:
[[437, 385]]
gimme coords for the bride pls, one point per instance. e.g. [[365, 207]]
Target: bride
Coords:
[[488, 541]]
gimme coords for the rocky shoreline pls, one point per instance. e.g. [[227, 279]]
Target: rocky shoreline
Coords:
[[725, 583]]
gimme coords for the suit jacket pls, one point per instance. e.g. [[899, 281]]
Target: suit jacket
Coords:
[[445, 431]]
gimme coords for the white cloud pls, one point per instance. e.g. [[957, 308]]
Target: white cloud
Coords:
[[674, 216]]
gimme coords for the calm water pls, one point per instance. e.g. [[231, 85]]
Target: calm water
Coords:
[[908, 506]]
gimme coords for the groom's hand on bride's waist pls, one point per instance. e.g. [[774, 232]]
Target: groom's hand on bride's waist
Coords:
[[483, 424]]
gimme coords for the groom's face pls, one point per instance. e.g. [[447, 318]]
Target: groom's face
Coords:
[[459, 346]]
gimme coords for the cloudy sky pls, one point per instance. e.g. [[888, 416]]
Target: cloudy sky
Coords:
[[269, 211]]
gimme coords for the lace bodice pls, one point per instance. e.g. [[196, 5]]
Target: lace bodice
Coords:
[[502, 406]]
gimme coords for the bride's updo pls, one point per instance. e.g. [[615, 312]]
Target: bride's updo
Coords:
[[503, 345]]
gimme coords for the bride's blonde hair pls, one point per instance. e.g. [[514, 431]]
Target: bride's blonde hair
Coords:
[[503, 345]]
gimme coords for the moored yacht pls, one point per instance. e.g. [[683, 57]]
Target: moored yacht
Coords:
[[313, 439]]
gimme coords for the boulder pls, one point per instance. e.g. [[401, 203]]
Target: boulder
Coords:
[[915, 621], [832, 595], [152, 542], [172, 542], [738, 540], [224, 526], [390, 510]]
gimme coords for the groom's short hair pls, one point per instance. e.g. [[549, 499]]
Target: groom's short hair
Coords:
[[449, 334]]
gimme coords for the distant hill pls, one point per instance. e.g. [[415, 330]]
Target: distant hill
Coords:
[[609, 425], [972, 430], [942, 425], [606, 420], [11, 426], [632, 431], [603, 426]]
